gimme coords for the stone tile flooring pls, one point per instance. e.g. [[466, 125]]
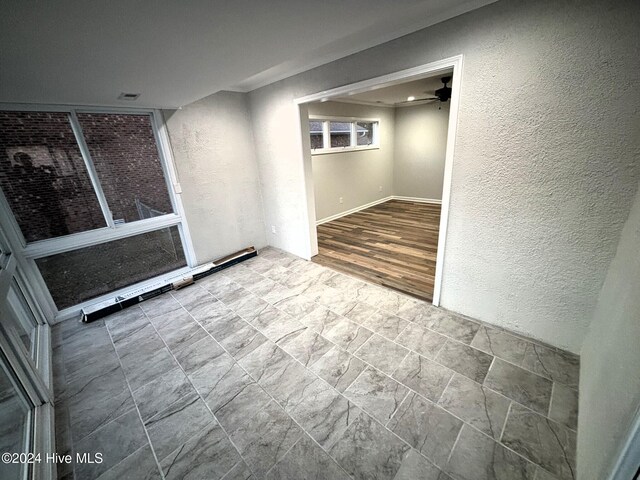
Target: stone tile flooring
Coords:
[[279, 368]]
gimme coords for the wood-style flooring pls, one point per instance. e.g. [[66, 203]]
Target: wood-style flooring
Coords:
[[392, 244]]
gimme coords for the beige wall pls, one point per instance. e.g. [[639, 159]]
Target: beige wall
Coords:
[[216, 165], [355, 176], [610, 359], [545, 166], [420, 148]]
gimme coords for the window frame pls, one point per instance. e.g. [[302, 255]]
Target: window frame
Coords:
[[353, 147], [28, 252]]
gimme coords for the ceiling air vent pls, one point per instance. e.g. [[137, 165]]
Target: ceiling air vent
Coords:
[[128, 96]]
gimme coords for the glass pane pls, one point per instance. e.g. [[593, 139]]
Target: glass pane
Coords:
[[124, 151], [73, 277], [315, 132], [364, 133], [14, 423], [340, 134], [21, 318], [43, 176]]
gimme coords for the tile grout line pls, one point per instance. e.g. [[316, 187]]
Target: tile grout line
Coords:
[[339, 393], [377, 369], [267, 393], [193, 386], [406, 395], [445, 389], [453, 374], [369, 365], [153, 450], [553, 386], [482, 325], [355, 403], [504, 425], [464, 317]]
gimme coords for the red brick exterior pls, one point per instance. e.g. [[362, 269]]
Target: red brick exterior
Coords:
[[44, 179], [124, 152], [43, 176]]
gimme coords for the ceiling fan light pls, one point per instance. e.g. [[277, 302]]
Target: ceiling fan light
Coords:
[[410, 98]]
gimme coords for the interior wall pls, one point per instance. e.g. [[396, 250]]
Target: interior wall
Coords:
[[610, 359], [215, 159], [359, 177], [545, 165], [420, 150]]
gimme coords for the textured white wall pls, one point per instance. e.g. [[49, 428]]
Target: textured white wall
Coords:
[[354, 176], [420, 149], [610, 359], [546, 160], [213, 149]]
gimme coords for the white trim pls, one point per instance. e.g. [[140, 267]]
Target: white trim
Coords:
[[403, 76], [456, 83], [338, 150], [353, 136], [75, 241], [435, 201], [353, 210], [338, 118], [166, 155], [378, 202], [91, 168], [422, 71]]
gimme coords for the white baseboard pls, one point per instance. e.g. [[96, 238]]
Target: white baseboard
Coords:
[[377, 202], [418, 199], [353, 210]]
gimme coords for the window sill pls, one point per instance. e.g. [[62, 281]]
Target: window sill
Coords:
[[325, 151]]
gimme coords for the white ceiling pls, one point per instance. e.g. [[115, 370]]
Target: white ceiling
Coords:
[[398, 94], [175, 52]]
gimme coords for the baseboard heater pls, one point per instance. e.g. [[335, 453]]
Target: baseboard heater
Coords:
[[102, 309]]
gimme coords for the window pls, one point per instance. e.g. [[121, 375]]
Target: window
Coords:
[[79, 275], [340, 134], [333, 135], [90, 191], [44, 177], [124, 152]]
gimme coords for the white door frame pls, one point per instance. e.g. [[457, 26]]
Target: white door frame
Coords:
[[402, 76]]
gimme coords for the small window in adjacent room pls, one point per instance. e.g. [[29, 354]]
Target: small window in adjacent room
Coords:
[[335, 135], [340, 133], [316, 134], [364, 133]]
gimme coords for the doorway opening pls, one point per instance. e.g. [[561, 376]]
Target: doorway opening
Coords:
[[378, 158]]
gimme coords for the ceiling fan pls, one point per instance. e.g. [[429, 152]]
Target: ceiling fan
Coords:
[[442, 94]]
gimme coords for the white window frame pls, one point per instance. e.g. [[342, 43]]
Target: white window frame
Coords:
[[34, 374], [27, 253], [326, 135]]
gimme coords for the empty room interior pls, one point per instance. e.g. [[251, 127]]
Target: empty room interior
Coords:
[[378, 159], [394, 240]]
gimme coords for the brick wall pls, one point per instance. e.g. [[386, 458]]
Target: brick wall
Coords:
[[125, 155], [43, 176]]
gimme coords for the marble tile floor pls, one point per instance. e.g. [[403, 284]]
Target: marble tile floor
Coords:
[[279, 368]]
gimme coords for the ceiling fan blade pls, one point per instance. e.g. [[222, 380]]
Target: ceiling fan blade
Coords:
[[418, 100]]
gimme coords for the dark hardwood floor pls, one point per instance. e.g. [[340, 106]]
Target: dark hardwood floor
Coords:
[[392, 244]]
